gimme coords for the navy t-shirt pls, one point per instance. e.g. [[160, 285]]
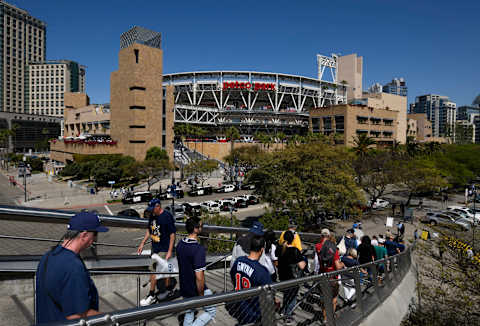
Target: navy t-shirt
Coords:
[[246, 273], [391, 247], [160, 228], [191, 259], [69, 284]]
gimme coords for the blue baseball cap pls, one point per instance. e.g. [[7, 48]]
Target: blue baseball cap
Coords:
[[86, 221], [152, 203], [257, 228]]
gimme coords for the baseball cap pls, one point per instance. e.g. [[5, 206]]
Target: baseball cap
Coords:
[[152, 203], [352, 231], [292, 224], [257, 228], [325, 232], [86, 221], [381, 240]]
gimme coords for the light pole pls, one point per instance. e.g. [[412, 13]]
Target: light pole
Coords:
[[25, 177]]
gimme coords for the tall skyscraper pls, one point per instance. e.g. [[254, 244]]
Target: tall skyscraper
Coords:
[[23, 40], [48, 81], [440, 111], [397, 86]]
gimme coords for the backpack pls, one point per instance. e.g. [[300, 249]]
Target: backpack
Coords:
[[350, 243], [326, 255]]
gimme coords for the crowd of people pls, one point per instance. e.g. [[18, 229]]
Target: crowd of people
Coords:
[[66, 291]]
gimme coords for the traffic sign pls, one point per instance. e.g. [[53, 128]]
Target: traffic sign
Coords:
[[111, 182]]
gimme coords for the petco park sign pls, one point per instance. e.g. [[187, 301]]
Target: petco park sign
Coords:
[[248, 85]]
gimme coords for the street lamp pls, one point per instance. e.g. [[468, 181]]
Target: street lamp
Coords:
[[25, 177]]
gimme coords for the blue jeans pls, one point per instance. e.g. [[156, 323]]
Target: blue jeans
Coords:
[[204, 318], [289, 300]]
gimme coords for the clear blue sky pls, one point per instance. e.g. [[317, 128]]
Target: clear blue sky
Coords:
[[434, 45]]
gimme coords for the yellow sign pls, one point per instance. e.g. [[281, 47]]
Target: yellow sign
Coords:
[[424, 235]]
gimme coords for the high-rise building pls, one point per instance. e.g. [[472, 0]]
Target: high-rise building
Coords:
[[350, 72], [464, 112], [48, 81], [375, 88], [440, 111], [397, 86], [23, 40]]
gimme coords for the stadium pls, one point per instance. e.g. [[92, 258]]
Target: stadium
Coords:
[[253, 101]]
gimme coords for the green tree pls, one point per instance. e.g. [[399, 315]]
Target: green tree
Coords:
[[151, 170], [420, 176], [376, 172], [201, 169], [233, 134], [362, 144], [304, 177], [156, 153]]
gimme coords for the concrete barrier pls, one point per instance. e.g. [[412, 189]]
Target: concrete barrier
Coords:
[[392, 311]]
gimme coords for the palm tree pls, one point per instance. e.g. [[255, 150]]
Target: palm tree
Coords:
[[233, 134], [281, 136], [362, 144]]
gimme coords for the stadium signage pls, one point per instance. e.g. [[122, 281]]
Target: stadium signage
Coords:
[[248, 85]]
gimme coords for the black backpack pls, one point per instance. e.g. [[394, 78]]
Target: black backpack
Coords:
[[326, 255]]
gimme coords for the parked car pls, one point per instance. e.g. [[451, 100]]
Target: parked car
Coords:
[[210, 206], [226, 188], [447, 220], [137, 197], [380, 203], [240, 202], [467, 211], [192, 209], [178, 211], [225, 205], [200, 191], [248, 186], [169, 195], [251, 199], [130, 212]]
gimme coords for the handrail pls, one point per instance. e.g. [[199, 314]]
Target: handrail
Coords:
[[142, 313], [2, 236]]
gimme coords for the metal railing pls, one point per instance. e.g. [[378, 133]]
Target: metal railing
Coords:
[[367, 298]]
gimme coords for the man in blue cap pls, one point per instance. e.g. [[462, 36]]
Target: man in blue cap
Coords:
[[161, 229], [64, 287]]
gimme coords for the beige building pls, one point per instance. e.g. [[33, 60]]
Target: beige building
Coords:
[[390, 102], [412, 128], [350, 121], [23, 41], [85, 119], [350, 69], [48, 81], [141, 109], [424, 126]]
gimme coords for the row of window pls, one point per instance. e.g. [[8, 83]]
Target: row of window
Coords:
[[47, 111], [46, 80], [42, 73], [15, 23], [58, 88], [49, 95], [40, 104]]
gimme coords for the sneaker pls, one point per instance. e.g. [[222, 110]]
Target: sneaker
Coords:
[[149, 299], [289, 321], [163, 295]]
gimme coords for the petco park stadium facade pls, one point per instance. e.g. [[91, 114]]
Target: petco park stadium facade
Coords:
[[253, 101]]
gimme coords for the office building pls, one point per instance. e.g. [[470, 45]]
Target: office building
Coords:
[[440, 111], [23, 40], [464, 111], [349, 121], [397, 87], [48, 81]]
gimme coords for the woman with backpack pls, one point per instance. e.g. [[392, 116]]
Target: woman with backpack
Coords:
[[327, 259], [290, 265]]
